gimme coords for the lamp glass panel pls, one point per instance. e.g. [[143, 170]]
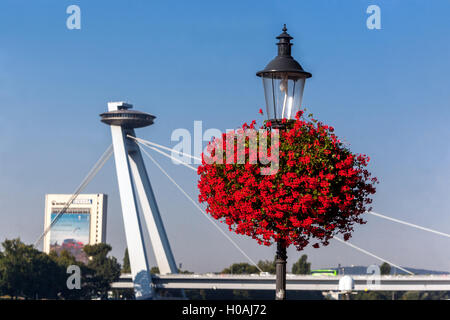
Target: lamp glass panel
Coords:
[[283, 95]]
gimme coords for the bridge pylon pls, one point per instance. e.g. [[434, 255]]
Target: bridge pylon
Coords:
[[134, 186]]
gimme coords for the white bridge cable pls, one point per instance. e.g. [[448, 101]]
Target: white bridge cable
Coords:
[[371, 254], [91, 174], [168, 156], [409, 224], [152, 144], [200, 209]]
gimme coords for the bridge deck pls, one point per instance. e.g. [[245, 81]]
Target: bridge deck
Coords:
[[294, 282]]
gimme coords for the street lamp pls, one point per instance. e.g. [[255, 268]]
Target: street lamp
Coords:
[[283, 81]]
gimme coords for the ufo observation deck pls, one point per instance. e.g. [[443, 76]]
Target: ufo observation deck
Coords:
[[129, 119]]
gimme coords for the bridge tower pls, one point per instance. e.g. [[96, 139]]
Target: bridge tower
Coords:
[[134, 186]]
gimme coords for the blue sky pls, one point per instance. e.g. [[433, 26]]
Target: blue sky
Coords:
[[385, 91]]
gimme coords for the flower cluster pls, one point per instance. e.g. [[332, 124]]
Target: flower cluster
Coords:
[[320, 189]]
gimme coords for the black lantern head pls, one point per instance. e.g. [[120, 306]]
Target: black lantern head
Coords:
[[283, 81]]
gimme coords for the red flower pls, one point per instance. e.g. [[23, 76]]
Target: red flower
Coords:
[[319, 190], [260, 111]]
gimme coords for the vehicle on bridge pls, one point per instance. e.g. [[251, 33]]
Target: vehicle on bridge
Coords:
[[324, 272]]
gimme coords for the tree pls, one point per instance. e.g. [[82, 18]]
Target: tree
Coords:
[[302, 266], [65, 259], [29, 273], [102, 270], [126, 268], [267, 266], [371, 295], [184, 271], [240, 268], [385, 268], [154, 270]]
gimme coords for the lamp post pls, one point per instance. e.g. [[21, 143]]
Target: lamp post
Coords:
[[283, 81]]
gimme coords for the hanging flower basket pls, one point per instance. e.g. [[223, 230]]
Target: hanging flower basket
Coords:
[[318, 189]]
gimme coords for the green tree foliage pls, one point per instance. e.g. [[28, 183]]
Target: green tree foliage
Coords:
[[240, 268], [154, 270], [29, 273], [123, 294], [385, 268], [185, 271], [372, 295], [103, 270], [64, 260], [432, 295], [126, 268], [267, 266], [302, 266]]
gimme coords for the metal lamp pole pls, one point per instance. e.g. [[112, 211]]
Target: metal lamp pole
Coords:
[[283, 81], [280, 264]]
